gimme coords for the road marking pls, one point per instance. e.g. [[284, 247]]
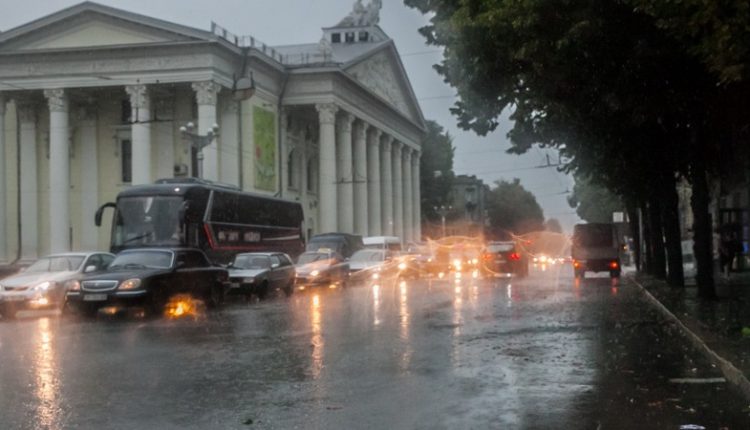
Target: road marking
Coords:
[[697, 380]]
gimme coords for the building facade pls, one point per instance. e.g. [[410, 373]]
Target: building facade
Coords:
[[92, 99]]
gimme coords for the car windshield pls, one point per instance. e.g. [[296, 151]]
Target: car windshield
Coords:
[[311, 257], [142, 259], [252, 262], [56, 264], [368, 255]]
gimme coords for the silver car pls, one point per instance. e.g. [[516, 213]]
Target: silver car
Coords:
[[260, 273], [42, 284]]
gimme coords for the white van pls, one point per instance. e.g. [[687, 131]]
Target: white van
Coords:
[[391, 243]]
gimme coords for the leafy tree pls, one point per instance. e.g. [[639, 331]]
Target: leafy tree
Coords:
[[623, 100], [436, 170], [593, 203], [553, 225], [513, 210]]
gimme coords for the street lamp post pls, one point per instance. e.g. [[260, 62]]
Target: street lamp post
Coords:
[[443, 211], [198, 141]]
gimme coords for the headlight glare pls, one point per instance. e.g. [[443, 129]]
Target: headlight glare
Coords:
[[315, 273], [73, 285], [130, 284], [44, 286]]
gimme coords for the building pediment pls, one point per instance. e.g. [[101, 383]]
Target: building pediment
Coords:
[[92, 25], [382, 73]]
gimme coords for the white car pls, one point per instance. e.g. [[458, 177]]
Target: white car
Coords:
[[42, 284]]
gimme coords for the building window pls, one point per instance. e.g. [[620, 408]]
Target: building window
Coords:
[[126, 113], [336, 38], [126, 160], [349, 37], [363, 36]]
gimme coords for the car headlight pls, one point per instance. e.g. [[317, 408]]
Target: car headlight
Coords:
[[73, 285], [402, 266], [44, 286], [248, 280], [315, 273], [130, 284]]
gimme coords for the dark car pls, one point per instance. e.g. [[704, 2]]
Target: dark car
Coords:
[[321, 268], [149, 277], [259, 273], [504, 258], [341, 243]]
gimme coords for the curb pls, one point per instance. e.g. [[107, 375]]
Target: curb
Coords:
[[733, 375]]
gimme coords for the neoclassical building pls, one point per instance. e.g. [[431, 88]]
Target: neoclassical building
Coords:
[[92, 99]]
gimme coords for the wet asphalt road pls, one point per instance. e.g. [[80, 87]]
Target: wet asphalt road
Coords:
[[542, 353]]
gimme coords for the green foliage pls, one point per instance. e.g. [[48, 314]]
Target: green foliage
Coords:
[[593, 203], [513, 209], [436, 170], [553, 225]]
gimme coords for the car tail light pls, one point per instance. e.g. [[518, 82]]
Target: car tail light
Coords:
[[515, 256], [576, 264], [613, 265], [487, 257]]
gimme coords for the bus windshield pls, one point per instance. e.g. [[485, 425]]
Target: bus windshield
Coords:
[[148, 220]]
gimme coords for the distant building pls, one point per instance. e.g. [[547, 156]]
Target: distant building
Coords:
[[92, 99]]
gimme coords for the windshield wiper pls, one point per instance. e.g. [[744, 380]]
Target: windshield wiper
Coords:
[[136, 238]]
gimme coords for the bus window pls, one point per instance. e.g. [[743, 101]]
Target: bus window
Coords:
[[149, 220]]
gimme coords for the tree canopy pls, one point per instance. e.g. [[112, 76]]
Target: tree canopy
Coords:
[[512, 210], [436, 170], [594, 203]]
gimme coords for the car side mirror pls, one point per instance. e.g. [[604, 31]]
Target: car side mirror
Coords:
[[179, 265], [275, 265], [90, 269], [230, 265]]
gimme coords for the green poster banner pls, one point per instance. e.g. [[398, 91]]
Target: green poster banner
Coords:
[[264, 136]]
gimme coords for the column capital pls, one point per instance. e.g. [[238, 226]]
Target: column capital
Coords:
[[26, 110], [360, 131], [327, 112], [387, 141], [396, 146], [57, 99], [347, 119], [406, 154], [375, 133], [139, 97], [206, 92]]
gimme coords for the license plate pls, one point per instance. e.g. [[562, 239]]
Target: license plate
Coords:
[[94, 297]]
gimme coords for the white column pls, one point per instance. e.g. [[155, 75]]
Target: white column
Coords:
[[59, 171], [408, 198], [3, 206], [386, 187], [344, 170], [398, 192], [89, 177], [373, 182], [230, 144], [29, 185], [360, 179], [416, 197], [206, 94], [164, 151], [140, 133], [327, 201]]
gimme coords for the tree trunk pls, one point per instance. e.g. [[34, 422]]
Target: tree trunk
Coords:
[[648, 254], [659, 267], [702, 234], [635, 232], [671, 222]]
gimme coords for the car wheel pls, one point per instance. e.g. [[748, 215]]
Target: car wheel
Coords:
[[579, 274], [263, 290], [289, 288], [214, 297], [614, 274]]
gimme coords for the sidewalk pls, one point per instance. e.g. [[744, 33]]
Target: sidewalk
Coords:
[[720, 327]]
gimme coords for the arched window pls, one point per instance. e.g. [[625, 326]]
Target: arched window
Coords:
[[291, 170]]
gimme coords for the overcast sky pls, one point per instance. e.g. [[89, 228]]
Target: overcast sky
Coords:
[[282, 22]]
